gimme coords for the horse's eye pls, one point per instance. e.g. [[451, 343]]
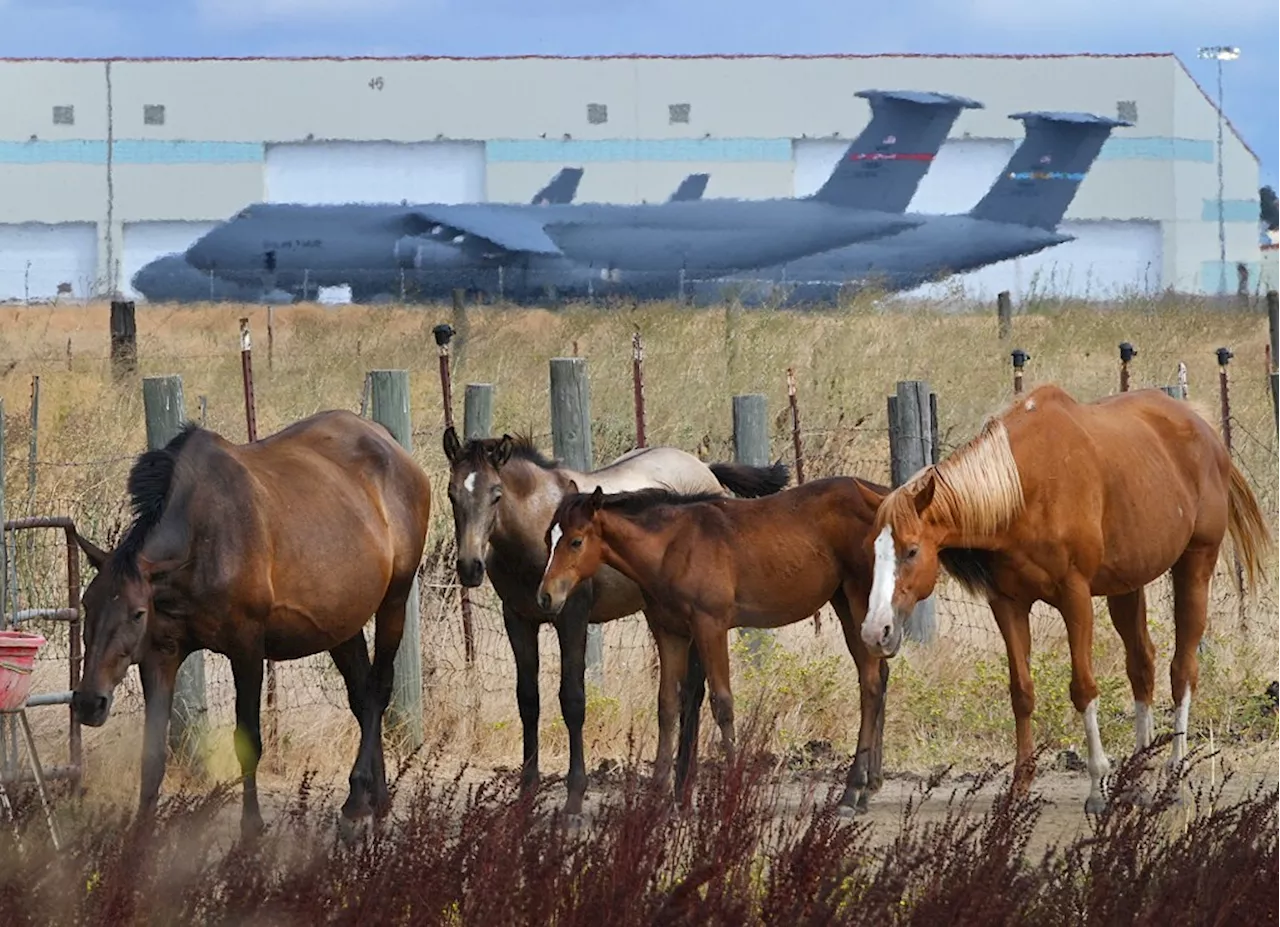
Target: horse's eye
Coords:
[[576, 543], [912, 551], [497, 496], [139, 614]]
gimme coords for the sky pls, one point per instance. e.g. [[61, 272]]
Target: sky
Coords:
[[186, 28]]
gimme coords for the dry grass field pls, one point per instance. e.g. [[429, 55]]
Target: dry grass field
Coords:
[[948, 703]]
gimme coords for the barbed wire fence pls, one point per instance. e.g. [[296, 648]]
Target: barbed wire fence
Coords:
[[478, 694]]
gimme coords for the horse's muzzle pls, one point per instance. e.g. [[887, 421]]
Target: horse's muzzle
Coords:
[[471, 572], [91, 710]]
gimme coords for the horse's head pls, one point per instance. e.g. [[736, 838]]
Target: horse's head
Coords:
[[475, 489], [117, 610], [905, 552], [576, 547]]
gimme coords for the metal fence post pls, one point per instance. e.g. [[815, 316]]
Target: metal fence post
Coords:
[[1273, 321], [1127, 353], [389, 406], [637, 384], [166, 413], [1020, 358]]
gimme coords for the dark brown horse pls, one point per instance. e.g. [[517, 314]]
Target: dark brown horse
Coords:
[[1058, 501], [708, 564], [504, 493], [272, 550]]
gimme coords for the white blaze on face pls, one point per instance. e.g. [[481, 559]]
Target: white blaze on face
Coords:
[[469, 484], [880, 602], [556, 535]]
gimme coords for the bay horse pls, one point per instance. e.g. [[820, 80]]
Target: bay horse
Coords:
[[707, 564], [272, 550], [504, 493], [1058, 501]]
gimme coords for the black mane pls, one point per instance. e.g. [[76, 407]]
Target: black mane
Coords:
[[972, 569], [637, 503], [149, 483], [477, 450]]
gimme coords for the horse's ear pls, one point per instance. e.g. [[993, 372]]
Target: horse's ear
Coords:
[[597, 499], [869, 495], [924, 495], [572, 489], [452, 446], [501, 452], [96, 555]]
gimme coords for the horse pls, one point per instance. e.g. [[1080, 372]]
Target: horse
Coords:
[[1059, 501], [272, 550], [707, 564], [503, 493]]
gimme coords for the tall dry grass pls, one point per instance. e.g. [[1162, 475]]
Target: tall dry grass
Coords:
[[947, 703]]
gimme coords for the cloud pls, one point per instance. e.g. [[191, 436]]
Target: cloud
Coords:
[[236, 14]]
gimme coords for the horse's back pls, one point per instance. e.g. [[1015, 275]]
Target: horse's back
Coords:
[[652, 468]]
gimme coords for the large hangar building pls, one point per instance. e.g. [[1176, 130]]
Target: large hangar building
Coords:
[[108, 164]]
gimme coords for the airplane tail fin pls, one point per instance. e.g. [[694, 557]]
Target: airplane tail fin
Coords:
[[561, 189], [691, 188], [886, 162], [1041, 179]]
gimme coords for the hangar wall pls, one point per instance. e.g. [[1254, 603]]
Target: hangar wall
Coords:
[[147, 153]]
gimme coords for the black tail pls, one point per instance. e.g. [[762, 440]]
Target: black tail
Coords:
[[752, 482]]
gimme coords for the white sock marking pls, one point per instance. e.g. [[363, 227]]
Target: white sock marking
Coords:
[[1181, 717], [1097, 761], [1143, 725], [880, 602], [469, 484]]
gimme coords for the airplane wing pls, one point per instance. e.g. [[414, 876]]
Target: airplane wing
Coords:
[[501, 230]]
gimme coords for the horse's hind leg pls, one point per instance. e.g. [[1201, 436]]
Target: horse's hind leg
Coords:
[[247, 671], [865, 775], [388, 631], [1191, 576], [1129, 615], [713, 645], [352, 659]]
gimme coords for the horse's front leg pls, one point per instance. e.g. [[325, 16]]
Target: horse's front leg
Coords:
[[571, 629], [865, 775], [523, 635], [247, 672], [158, 672], [673, 657]]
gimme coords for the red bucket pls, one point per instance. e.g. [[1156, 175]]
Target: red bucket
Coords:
[[17, 665]]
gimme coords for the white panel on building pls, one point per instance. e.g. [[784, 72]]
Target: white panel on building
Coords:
[[146, 241], [961, 174], [36, 260], [375, 172], [815, 159], [1108, 260]]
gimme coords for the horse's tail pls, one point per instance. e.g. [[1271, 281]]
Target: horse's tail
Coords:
[[752, 482], [1249, 530]]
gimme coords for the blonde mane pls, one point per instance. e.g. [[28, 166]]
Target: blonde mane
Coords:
[[977, 489]]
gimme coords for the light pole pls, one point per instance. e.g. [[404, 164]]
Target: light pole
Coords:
[[1220, 53]]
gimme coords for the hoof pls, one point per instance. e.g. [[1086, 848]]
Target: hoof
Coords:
[[251, 829], [350, 830], [852, 811], [1095, 804], [1138, 796], [573, 822]]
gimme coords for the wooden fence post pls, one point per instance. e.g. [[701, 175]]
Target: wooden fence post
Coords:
[[477, 411], [1273, 319], [389, 406], [571, 443], [166, 413], [1004, 315], [124, 339], [751, 447], [913, 446]]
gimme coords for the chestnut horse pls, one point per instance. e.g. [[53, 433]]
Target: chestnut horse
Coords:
[[708, 564], [272, 550], [1058, 501], [504, 493]]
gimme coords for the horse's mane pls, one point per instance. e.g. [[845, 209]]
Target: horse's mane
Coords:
[[149, 483], [477, 450], [977, 489], [633, 504]]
